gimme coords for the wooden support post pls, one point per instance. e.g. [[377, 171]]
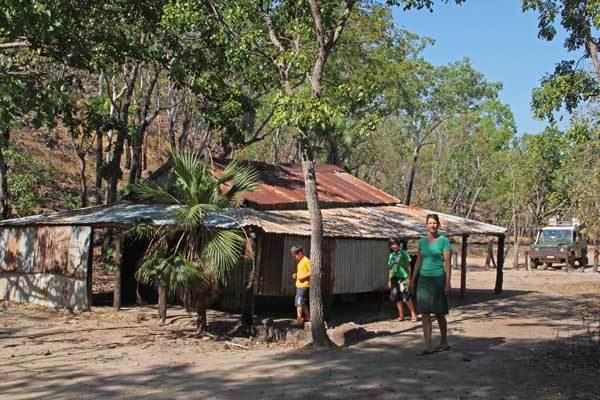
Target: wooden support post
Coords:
[[500, 265], [118, 274], [596, 252], [249, 271], [90, 269], [463, 267], [527, 266]]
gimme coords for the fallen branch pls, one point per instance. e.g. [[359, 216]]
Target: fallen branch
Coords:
[[237, 345]]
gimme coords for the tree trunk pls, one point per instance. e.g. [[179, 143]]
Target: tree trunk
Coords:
[[115, 173], [162, 302], [171, 114], [201, 321], [318, 330], [118, 276], [596, 252], [474, 200], [249, 271], [136, 160], [82, 180], [516, 243], [98, 181], [276, 144], [127, 153], [411, 175], [4, 206]]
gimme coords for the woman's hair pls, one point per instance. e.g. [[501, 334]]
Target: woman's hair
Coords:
[[432, 216], [393, 241]]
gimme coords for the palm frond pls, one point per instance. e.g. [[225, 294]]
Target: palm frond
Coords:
[[229, 173], [175, 271], [192, 216], [246, 180], [154, 193], [140, 230], [221, 252]]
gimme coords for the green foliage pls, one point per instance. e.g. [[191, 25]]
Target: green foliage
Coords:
[[186, 254], [567, 86], [571, 84], [25, 181]]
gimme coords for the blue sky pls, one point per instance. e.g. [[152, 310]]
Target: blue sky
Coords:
[[501, 42]]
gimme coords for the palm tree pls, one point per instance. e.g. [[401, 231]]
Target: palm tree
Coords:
[[185, 258]]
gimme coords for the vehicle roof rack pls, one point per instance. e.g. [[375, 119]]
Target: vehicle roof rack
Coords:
[[555, 222]]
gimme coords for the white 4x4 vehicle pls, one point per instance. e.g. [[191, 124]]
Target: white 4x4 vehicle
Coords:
[[559, 243]]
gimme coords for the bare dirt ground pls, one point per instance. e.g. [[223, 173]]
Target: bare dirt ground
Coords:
[[530, 342]]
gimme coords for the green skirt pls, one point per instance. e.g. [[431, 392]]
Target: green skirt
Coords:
[[430, 295]]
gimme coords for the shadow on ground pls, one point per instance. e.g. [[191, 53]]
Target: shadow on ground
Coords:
[[474, 368]]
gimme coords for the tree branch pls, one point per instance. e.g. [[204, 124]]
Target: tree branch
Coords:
[[14, 45]]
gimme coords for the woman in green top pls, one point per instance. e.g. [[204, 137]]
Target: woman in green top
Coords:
[[399, 279], [433, 270]]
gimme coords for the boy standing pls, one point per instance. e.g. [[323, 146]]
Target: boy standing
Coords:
[[399, 279], [302, 278]]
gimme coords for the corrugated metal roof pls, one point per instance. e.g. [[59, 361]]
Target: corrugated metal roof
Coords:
[[371, 222], [282, 186], [127, 214], [352, 222]]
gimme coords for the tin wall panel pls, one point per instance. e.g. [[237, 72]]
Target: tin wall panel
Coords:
[[44, 289], [52, 249], [45, 265], [79, 249], [16, 249], [271, 252], [359, 265]]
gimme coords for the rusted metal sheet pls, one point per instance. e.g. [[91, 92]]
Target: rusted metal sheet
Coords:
[[270, 253], [45, 265], [17, 250], [371, 222], [283, 184]]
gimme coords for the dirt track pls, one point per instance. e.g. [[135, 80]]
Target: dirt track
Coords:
[[520, 345]]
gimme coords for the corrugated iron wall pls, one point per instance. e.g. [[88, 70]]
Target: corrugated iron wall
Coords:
[[350, 265], [45, 265], [359, 265]]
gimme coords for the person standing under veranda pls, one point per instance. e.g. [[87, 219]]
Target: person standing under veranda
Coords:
[[302, 278], [433, 269], [399, 279]]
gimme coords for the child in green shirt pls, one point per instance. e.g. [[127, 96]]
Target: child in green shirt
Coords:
[[399, 279]]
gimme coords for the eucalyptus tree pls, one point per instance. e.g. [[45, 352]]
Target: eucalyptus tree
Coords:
[[574, 86], [426, 97], [573, 81]]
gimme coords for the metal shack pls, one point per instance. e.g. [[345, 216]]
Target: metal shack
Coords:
[[46, 259]]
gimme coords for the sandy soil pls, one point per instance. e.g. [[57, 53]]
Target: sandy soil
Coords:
[[528, 343]]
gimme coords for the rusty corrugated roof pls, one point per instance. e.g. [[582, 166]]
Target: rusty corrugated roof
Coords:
[[282, 186], [371, 222], [346, 222]]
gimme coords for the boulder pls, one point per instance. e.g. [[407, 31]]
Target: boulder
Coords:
[[347, 334]]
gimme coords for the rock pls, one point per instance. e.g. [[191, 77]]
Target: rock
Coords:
[[347, 334]]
